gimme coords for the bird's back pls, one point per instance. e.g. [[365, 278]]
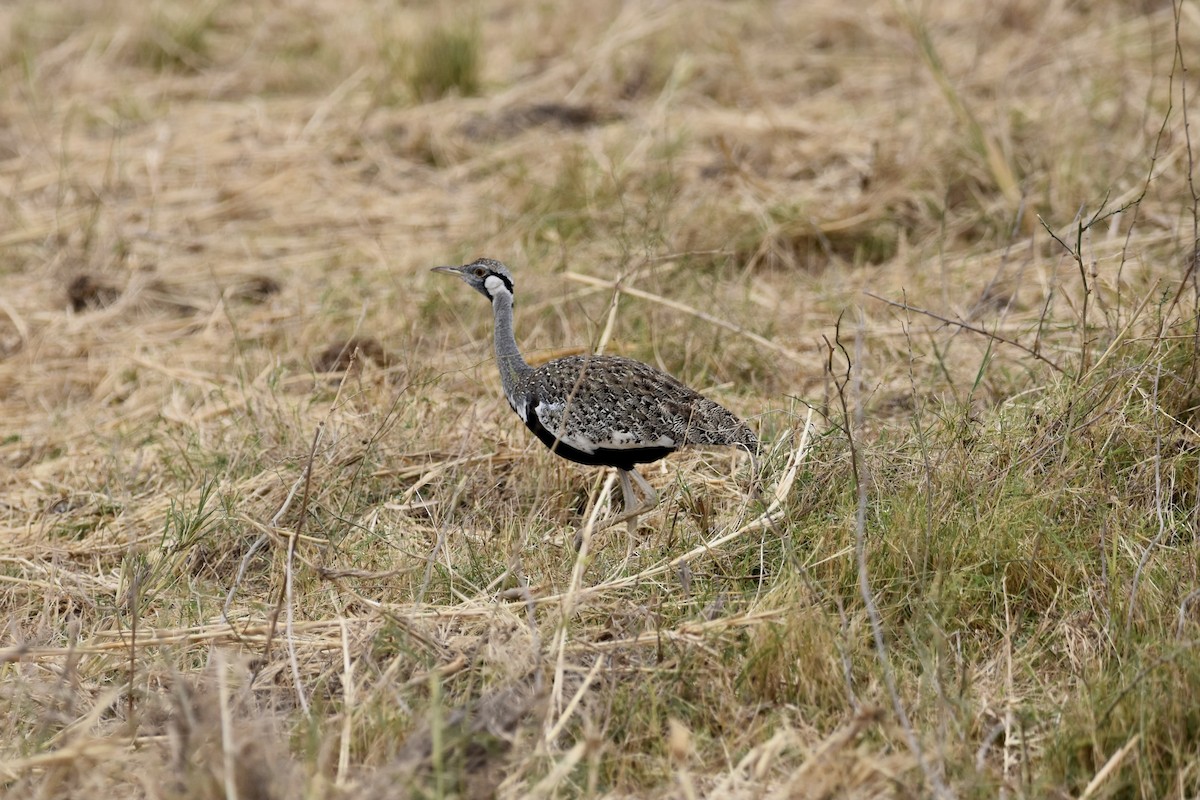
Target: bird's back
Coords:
[[615, 411]]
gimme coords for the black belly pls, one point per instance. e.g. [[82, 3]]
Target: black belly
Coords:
[[621, 458]]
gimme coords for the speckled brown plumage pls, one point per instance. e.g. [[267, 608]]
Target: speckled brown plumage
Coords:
[[613, 411]]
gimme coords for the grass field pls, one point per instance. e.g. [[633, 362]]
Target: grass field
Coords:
[[268, 529]]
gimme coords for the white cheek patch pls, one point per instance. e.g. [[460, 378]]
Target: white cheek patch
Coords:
[[494, 285]]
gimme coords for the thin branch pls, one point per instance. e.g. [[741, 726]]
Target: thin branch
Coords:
[[786, 352], [968, 327], [1159, 503], [860, 547], [1109, 767], [228, 741], [285, 594]]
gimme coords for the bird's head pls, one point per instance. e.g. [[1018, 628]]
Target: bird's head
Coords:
[[485, 275]]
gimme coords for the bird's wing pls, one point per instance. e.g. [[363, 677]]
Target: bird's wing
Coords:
[[612, 403], [581, 431]]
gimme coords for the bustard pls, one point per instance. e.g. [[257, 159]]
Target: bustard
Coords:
[[601, 410]]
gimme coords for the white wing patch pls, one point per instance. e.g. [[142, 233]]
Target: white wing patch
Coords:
[[622, 440]]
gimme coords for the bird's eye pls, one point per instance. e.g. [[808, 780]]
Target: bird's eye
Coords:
[[480, 272]]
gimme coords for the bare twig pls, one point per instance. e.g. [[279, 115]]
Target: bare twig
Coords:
[[228, 745], [968, 327], [285, 595], [135, 602], [1183, 607], [853, 421], [1179, 68], [1109, 767], [1160, 512], [1184, 647], [348, 701], [786, 352]]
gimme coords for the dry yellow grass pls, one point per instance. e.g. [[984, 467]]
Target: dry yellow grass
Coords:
[[268, 530]]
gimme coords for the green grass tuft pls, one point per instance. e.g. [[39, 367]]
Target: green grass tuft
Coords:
[[447, 60]]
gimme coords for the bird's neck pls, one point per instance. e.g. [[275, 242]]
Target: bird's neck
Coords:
[[508, 358]]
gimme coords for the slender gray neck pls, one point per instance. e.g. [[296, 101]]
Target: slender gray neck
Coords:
[[508, 358]]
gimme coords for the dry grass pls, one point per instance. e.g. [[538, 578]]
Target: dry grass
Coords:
[[267, 529]]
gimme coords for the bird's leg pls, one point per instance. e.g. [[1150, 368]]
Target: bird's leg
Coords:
[[649, 502], [632, 508], [630, 500], [629, 515], [647, 491], [631, 523], [632, 512]]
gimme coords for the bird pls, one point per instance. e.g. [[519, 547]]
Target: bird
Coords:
[[601, 410]]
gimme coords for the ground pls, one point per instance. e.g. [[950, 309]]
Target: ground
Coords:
[[269, 529]]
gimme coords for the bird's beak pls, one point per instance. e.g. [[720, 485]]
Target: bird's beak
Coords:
[[451, 270]]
